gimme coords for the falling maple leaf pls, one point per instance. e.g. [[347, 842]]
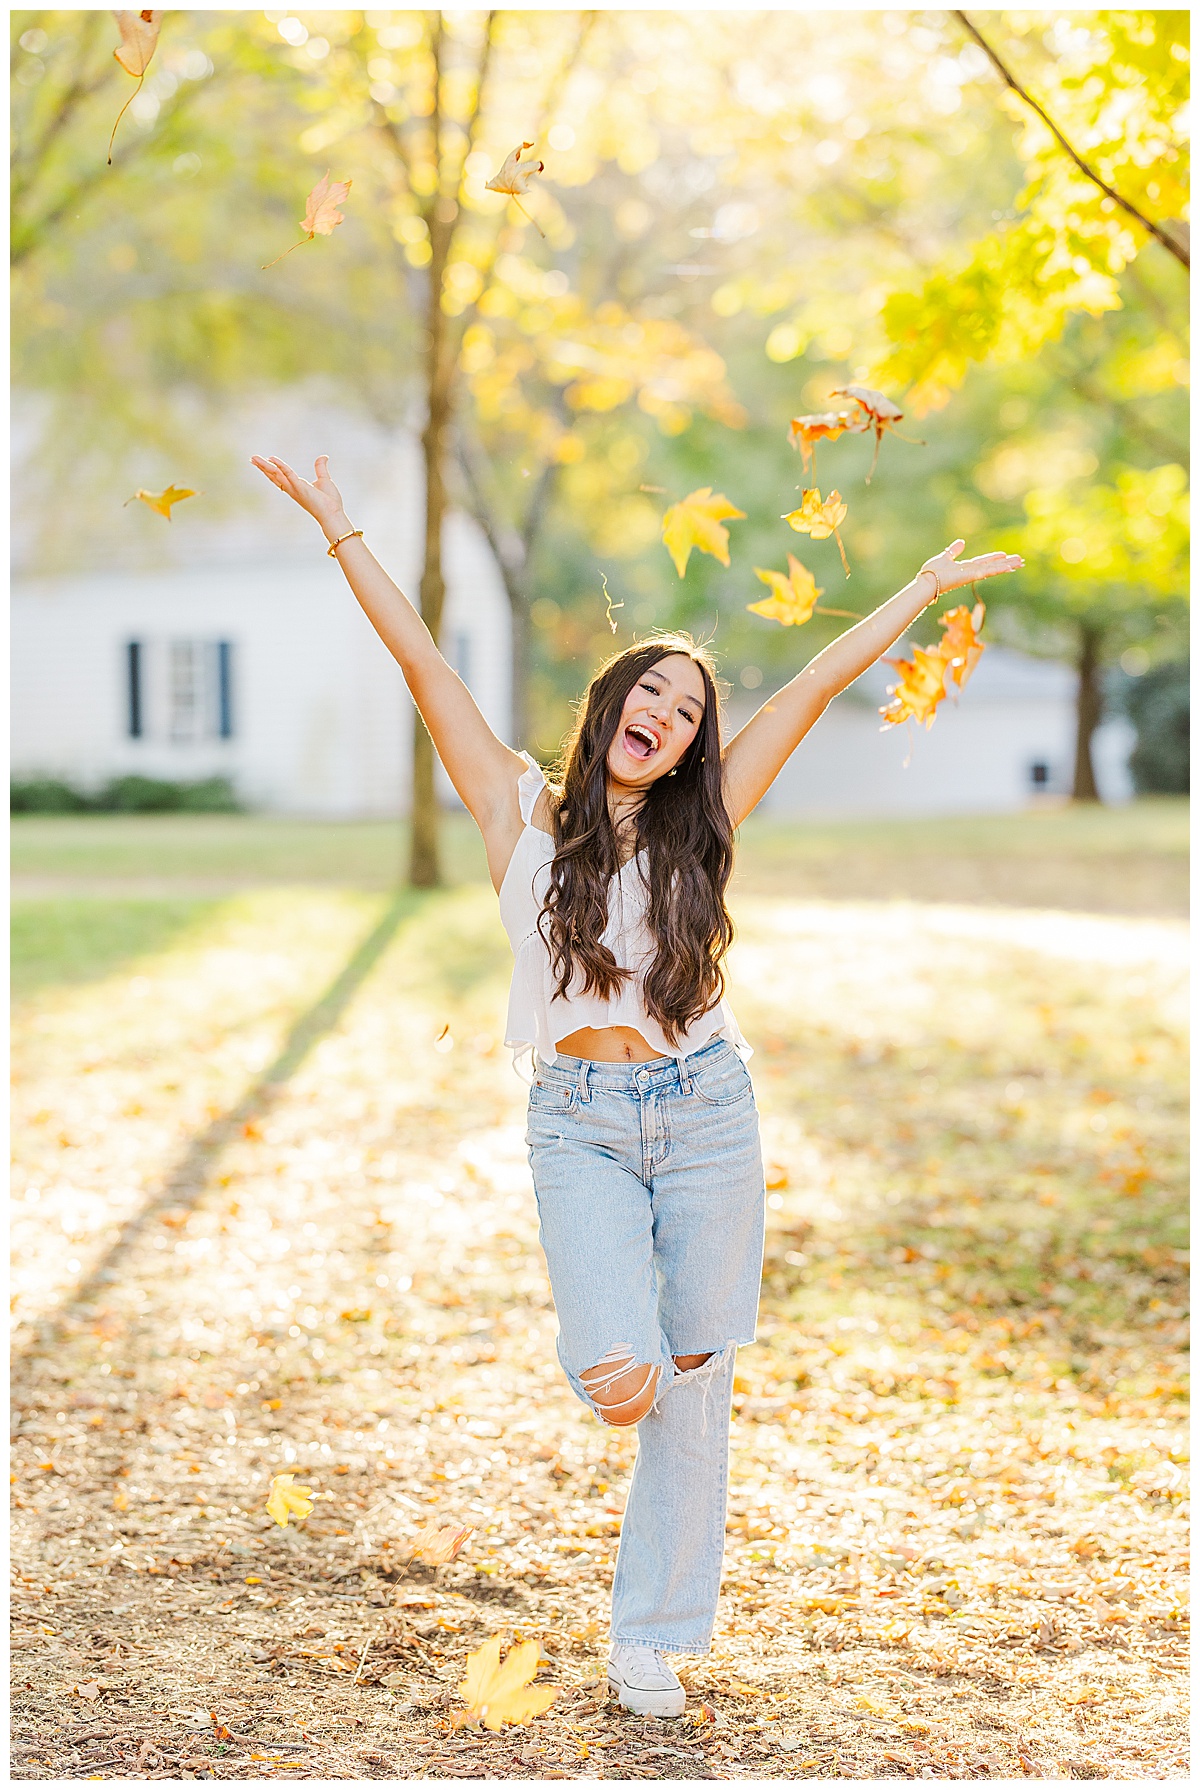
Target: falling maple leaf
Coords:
[[161, 500], [496, 1693], [805, 431], [921, 686], [962, 647], [820, 520], [514, 178], [321, 214], [793, 595], [139, 40], [695, 521], [437, 1544], [878, 412], [286, 1499]]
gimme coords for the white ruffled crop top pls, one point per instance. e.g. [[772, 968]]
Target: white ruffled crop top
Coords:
[[537, 1016]]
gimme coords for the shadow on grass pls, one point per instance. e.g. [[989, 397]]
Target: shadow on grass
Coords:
[[184, 1185], [62, 943]]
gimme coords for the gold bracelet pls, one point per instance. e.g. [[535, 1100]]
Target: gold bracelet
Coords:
[[340, 539], [937, 584]]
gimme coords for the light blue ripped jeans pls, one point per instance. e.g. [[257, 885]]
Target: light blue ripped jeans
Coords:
[[649, 1186]]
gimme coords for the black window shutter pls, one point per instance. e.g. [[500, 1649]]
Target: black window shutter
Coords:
[[134, 670], [225, 688]]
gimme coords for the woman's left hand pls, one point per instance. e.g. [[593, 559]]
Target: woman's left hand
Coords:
[[951, 572]]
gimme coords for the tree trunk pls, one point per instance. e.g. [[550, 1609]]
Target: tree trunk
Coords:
[[424, 858], [1087, 713]]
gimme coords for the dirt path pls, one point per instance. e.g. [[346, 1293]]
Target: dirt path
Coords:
[[266, 1224]]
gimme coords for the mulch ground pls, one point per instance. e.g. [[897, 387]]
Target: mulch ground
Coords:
[[271, 1219]]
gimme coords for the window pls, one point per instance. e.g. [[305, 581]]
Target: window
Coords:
[[200, 690]]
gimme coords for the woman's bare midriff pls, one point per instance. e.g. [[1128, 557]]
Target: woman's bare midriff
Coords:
[[608, 1044]]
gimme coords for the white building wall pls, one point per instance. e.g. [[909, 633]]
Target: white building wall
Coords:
[[322, 719], [976, 758]]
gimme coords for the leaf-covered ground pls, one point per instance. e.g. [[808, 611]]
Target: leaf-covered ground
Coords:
[[264, 1222]]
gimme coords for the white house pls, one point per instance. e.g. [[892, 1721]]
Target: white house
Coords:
[[231, 645], [1007, 741], [245, 653]]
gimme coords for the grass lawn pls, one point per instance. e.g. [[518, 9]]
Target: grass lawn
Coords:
[[272, 1213]]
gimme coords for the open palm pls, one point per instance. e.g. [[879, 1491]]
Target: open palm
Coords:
[[951, 572], [319, 496]]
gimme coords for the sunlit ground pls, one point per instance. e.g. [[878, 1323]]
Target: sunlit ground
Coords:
[[264, 1222]]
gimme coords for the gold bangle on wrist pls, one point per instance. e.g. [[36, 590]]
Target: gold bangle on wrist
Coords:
[[349, 536]]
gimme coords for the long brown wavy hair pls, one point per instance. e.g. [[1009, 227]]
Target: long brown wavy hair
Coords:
[[684, 827]]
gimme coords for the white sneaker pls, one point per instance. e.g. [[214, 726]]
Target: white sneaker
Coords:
[[643, 1681]]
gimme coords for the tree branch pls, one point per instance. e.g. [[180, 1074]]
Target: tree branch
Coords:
[[1181, 253]]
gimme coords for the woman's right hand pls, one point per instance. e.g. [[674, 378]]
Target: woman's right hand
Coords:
[[320, 496]]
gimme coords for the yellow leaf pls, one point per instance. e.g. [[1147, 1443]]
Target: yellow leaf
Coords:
[[820, 520], [120, 1500], [161, 500], [793, 595], [495, 1693], [436, 1544], [286, 1499], [696, 522], [815, 518]]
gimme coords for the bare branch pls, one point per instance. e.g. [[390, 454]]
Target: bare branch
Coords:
[[1179, 250]]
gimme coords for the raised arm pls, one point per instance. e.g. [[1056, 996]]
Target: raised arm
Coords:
[[758, 752], [481, 767]]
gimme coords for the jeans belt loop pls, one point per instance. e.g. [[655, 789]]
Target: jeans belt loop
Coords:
[[685, 1079], [584, 1066]]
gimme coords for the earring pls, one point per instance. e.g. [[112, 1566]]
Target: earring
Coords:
[[672, 773]]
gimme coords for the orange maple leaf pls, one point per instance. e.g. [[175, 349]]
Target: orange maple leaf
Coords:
[[922, 685], [496, 1693], [321, 214], [962, 648], [514, 178], [139, 40], [878, 412], [161, 500], [820, 520], [805, 431]]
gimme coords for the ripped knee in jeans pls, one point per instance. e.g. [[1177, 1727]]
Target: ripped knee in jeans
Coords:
[[620, 1388]]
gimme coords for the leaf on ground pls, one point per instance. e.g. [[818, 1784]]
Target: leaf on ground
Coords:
[[436, 1544], [90, 1690], [287, 1499], [695, 521], [496, 1693], [160, 500]]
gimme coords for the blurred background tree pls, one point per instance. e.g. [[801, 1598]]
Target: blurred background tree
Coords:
[[737, 222]]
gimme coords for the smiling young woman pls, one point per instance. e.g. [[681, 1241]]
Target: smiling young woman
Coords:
[[643, 1131]]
